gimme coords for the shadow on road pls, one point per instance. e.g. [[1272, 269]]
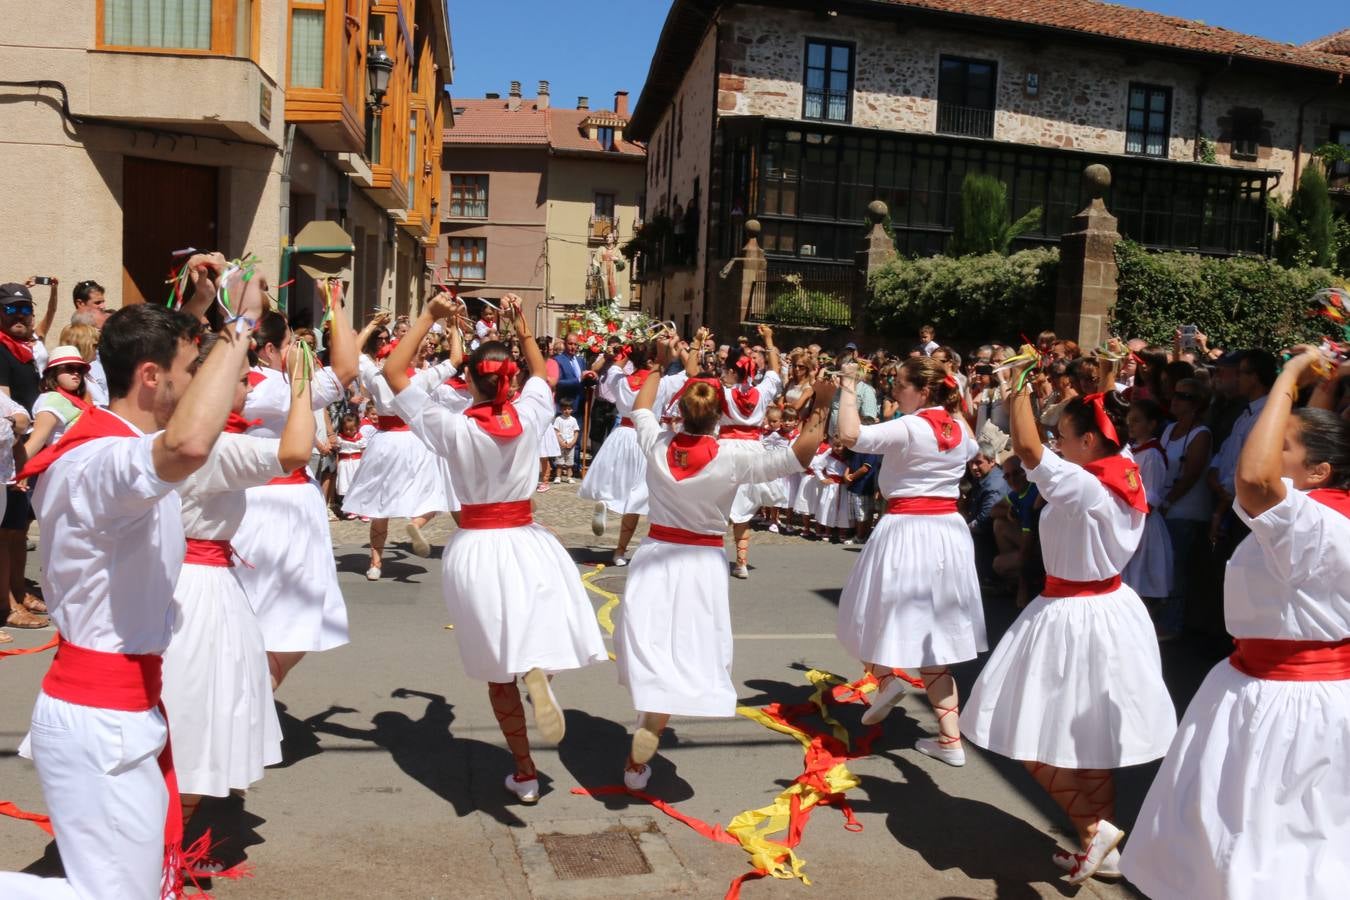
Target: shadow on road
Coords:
[[398, 565], [594, 753], [466, 773]]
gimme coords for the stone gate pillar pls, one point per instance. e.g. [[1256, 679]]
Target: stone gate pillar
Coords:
[[1087, 287]]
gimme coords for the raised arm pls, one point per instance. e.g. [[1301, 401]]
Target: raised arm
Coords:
[[770, 351], [343, 352], [203, 271], [1026, 435], [378, 320], [1324, 395], [529, 347], [695, 352], [813, 427], [1260, 468], [297, 437], [850, 424], [185, 444], [49, 314], [400, 358]]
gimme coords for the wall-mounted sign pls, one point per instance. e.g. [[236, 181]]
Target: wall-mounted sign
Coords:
[[1032, 86]]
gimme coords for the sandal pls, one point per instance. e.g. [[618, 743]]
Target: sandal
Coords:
[[22, 618], [6, 638], [34, 604]]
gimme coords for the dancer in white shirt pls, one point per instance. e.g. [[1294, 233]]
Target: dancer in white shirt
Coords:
[[913, 599], [673, 639], [1253, 799], [111, 551], [217, 686], [399, 477], [291, 578], [1074, 689], [513, 592], [617, 477], [743, 406]]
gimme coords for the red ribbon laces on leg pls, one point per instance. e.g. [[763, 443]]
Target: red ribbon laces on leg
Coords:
[[689, 453], [1104, 424], [497, 416], [1120, 476], [945, 429]]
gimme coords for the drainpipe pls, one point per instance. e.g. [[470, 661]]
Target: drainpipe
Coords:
[[286, 183]]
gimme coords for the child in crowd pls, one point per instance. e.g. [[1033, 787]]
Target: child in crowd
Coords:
[[791, 484], [861, 480], [1149, 570], [568, 431], [834, 514], [351, 444], [927, 340], [368, 426], [64, 396], [775, 435]]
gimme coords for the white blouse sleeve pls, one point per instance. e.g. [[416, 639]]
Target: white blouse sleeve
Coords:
[[436, 426], [237, 461], [884, 437], [1069, 485], [535, 403], [1303, 540]]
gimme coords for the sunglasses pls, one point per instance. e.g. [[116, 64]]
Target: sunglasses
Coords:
[[1182, 395], [18, 309]]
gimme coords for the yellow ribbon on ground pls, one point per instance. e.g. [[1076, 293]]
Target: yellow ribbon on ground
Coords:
[[605, 614]]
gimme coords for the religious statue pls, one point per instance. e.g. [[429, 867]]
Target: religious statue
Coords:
[[606, 265]]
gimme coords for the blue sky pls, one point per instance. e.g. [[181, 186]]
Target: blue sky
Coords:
[[590, 48]]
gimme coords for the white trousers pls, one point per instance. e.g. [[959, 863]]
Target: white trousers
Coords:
[[100, 778]]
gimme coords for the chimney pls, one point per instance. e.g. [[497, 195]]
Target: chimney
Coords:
[[542, 102], [492, 95], [621, 104], [513, 98], [583, 103]]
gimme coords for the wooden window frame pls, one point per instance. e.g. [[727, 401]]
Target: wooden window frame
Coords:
[[487, 182], [830, 45], [1149, 90], [222, 33], [455, 268], [1246, 130]]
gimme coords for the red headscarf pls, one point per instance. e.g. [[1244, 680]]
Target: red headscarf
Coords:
[[497, 416]]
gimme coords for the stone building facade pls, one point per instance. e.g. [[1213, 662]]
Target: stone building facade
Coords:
[[803, 115]]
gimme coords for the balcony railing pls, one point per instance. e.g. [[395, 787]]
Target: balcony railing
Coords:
[[602, 227], [969, 121], [804, 296]]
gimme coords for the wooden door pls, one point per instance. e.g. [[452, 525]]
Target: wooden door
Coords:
[[165, 207]]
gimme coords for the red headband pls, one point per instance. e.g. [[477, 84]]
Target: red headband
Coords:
[[1104, 423], [747, 365], [505, 370], [714, 383]]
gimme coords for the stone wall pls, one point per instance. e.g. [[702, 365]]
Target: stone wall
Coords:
[[1080, 104]]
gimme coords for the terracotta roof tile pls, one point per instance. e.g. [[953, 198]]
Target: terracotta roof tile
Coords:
[[1338, 43], [564, 131], [1129, 24], [491, 122]]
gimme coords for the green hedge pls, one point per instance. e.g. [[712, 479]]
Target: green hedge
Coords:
[[1237, 302], [969, 299], [795, 306]]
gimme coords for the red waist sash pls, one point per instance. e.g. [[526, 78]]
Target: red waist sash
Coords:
[[739, 433], [1282, 660], [625, 422], [201, 552], [299, 476], [391, 423], [1063, 587], [920, 506], [671, 535], [129, 682], [509, 514], [353, 455], [837, 479]]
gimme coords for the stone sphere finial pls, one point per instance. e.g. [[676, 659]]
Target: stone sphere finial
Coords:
[[752, 227], [877, 211], [1097, 178]]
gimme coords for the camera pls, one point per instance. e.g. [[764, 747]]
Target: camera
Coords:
[[984, 369], [42, 279], [1188, 339]]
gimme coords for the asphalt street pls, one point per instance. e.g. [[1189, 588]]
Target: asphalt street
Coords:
[[392, 784]]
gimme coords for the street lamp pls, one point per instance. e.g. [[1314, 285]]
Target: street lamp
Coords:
[[379, 66]]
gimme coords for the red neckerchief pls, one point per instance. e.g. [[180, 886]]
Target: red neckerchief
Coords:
[[638, 379], [945, 429], [745, 397], [1338, 500], [1151, 445], [824, 445], [255, 377], [498, 420], [21, 351], [689, 453], [237, 424], [79, 402], [92, 425], [365, 422], [1120, 476], [457, 382]]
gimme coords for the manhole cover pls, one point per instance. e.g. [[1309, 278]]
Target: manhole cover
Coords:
[[608, 854]]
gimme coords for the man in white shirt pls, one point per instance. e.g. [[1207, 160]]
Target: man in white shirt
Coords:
[[111, 551]]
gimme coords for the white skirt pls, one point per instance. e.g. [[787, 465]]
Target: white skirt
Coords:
[[913, 599], [518, 604], [1075, 683], [1149, 571], [1253, 799], [548, 443], [751, 498], [346, 473], [217, 687], [789, 486], [399, 478], [618, 474], [291, 579], [805, 501], [833, 509], [672, 635]]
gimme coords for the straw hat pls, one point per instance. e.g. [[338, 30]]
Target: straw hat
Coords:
[[66, 356]]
